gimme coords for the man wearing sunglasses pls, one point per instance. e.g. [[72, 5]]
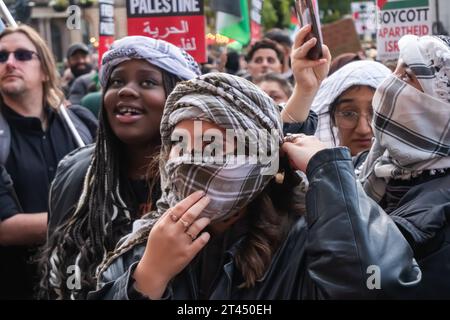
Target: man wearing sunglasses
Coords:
[[38, 138]]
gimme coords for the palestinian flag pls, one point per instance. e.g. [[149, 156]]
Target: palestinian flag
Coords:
[[401, 4], [232, 19]]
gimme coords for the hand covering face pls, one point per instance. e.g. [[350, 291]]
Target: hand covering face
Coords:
[[232, 103]]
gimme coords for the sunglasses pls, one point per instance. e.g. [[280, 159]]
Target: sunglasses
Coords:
[[19, 55]]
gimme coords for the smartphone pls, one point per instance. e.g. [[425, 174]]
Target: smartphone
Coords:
[[306, 14]]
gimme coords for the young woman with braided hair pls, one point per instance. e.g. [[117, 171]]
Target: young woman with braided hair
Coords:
[[100, 190]]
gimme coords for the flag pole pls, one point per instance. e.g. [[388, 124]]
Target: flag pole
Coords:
[[10, 20], [5, 12]]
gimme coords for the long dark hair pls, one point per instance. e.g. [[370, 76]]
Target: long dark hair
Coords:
[[271, 216], [102, 216]]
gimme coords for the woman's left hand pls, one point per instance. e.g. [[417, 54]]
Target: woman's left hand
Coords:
[[300, 149]]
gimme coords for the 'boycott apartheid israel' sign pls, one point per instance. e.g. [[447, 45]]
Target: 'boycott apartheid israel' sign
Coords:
[[180, 22], [397, 18]]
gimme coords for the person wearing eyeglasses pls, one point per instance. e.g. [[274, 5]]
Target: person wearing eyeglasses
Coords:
[[33, 139], [344, 105]]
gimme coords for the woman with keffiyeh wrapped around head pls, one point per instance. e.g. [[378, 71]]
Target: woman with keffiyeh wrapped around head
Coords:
[[100, 190], [229, 228], [344, 105], [407, 170]]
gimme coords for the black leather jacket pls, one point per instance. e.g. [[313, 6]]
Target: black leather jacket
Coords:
[[423, 216], [67, 185], [344, 248]]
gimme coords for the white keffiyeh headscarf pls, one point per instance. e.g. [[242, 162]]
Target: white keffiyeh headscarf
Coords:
[[358, 73], [429, 58], [411, 128]]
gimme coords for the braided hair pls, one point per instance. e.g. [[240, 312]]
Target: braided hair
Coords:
[[103, 214]]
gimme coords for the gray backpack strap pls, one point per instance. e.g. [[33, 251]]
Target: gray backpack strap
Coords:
[[5, 140]]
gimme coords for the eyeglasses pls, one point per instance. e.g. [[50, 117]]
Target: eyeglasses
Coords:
[[19, 55], [350, 119]]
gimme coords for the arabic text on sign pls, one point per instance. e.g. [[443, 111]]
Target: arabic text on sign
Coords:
[[167, 31], [188, 44]]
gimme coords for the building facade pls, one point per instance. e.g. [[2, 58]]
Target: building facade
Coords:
[[57, 28], [53, 25]]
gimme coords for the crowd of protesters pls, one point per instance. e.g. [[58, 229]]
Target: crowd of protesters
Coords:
[[122, 182]]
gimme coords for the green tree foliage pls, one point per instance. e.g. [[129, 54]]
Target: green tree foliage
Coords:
[[332, 10], [276, 13]]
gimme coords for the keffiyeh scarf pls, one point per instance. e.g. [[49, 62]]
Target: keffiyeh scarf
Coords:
[[232, 103], [412, 135], [159, 53], [429, 59], [412, 128]]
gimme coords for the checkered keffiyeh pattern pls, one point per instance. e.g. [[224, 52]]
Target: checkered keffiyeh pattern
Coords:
[[157, 52], [429, 58], [232, 103], [230, 187], [412, 131]]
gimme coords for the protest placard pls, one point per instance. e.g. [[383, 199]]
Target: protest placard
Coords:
[[398, 18], [180, 22]]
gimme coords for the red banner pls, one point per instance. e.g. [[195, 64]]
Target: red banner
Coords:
[[255, 25], [181, 26], [104, 43]]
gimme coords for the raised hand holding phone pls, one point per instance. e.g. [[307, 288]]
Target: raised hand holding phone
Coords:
[[306, 15], [308, 75]]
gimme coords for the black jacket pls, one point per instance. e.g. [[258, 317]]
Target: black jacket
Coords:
[[67, 185], [329, 254], [81, 86], [423, 215]]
